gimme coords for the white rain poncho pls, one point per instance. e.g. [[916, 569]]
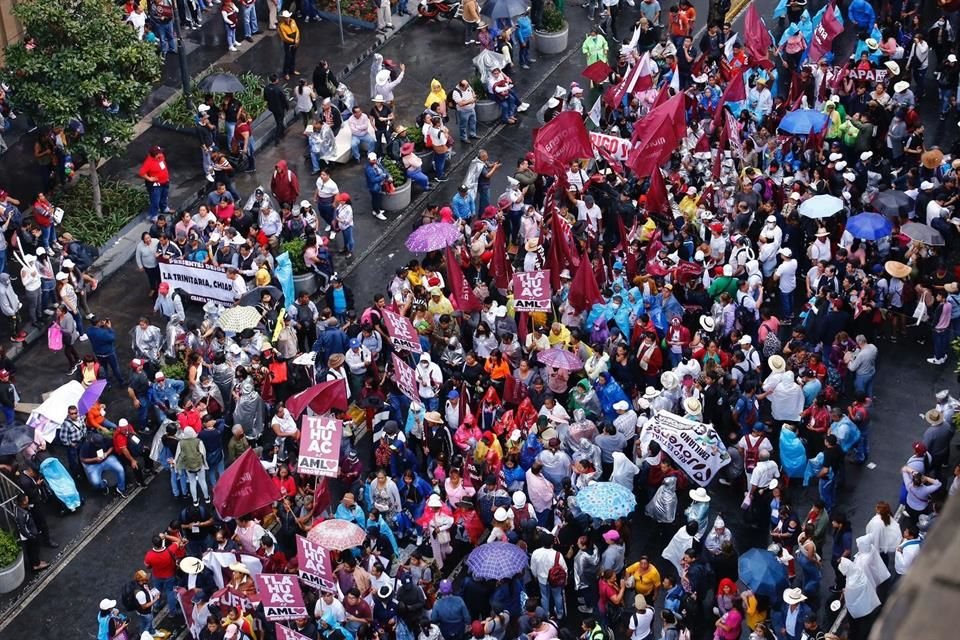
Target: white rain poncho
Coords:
[[663, 506], [623, 470], [860, 595]]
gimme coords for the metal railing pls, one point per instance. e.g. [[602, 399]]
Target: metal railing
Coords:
[[9, 492]]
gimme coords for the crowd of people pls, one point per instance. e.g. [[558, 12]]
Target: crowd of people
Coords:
[[729, 292]]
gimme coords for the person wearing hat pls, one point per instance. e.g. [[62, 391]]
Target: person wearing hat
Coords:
[[786, 277], [156, 176], [795, 615], [414, 166], [902, 95], [377, 179]]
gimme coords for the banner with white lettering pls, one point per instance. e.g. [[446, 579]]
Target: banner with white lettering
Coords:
[[281, 596], [694, 446], [873, 76], [402, 333], [618, 148], [405, 378], [228, 597], [284, 633], [319, 446], [531, 290], [201, 282], [313, 563]]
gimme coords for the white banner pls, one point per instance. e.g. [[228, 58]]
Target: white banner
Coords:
[[199, 281], [694, 446], [619, 148]]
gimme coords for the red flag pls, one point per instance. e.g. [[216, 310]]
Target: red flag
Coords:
[[321, 496], [514, 391], [322, 398], [662, 96], [823, 34], [637, 78], [598, 72], [499, 265], [718, 160], [757, 39], [735, 92], [703, 143], [563, 248], [654, 144], [584, 291], [561, 141], [244, 487], [622, 230], [612, 162], [657, 193], [463, 297]]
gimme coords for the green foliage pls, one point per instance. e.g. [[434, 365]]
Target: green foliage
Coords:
[[175, 370], [294, 249], [553, 20], [397, 173], [9, 548], [415, 135], [360, 9], [73, 57], [479, 89], [121, 204], [178, 114]]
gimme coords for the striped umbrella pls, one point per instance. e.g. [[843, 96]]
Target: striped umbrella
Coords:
[[497, 561], [606, 500]]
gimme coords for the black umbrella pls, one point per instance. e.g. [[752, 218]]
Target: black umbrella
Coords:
[[497, 9], [15, 439], [252, 298], [893, 203], [221, 83]]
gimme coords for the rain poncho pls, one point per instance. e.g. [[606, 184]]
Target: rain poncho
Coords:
[[437, 94], [663, 506], [793, 455], [623, 470], [846, 432], [609, 393], [860, 595], [586, 450], [699, 511], [147, 342], [678, 545], [584, 399], [9, 302], [868, 559], [249, 410], [60, 482]]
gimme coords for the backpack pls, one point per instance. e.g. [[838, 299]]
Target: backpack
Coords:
[[771, 344], [557, 576], [128, 595], [745, 317]]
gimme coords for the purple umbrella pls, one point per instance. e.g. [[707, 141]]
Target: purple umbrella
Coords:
[[90, 396], [559, 358], [497, 561], [433, 237]]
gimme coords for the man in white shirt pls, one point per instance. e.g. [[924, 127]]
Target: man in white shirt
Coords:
[[239, 284], [760, 100], [906, 551], [588, 211], [786, 276], [765, 471], [328, 603], [541, 561]]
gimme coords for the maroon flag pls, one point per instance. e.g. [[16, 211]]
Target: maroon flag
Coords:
[[637, 78], [703, 143], [584, 291], [320, 446], [597, 72], [514, 391], [736, 91], [561, 141], [622, 232], [662, 96], [401, 331], [280, 596], [464, 299], [321, 496], [499, 265], [655, 141], [757, 39], [657, 193], [718, 160], [612, 162], [244, 487], [563, 248], [322, 398], [405, 378], [823, 34], [733, 136], [531, 291]]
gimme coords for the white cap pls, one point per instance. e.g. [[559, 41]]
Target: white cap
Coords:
[[951, 58], [771, 218], [500, 515], [621, 405], [553, 103], [67, 264], [371, 156], [926, 185], [866, 155], [786, 252], [840, 166], [107, 604], [305, 204], [850, 176], [746, 340], [434, 501], [203, 108], [122, 422], [62, 276], [691, 191], [835, 156], [727, 270], [795, 195]]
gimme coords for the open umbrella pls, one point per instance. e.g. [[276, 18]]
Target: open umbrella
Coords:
[[606, 500], [15, 439], [894, 203], [221, 83], [803, 122], [821, 207], [252, 297], [337, 535], [923, 233], [91, 395], [762, 572], [559, 358], [433, 237], [47, 417], [497, 561], [236, 319], [869, 226], [497, 9]]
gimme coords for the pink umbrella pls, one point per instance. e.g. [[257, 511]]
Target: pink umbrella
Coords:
[[559, 358], [337, 535], [433, 237]]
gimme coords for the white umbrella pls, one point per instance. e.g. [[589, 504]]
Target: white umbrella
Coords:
[[46, 418], [821, 207], [236, 319]]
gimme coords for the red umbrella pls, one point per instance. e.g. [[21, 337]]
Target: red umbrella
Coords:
[[244, 487], [320, 397], [599, 71]]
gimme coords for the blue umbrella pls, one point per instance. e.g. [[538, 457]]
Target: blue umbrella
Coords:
[[803, 122], [497, 561], [869, 226], [762, 572], [606, 500]]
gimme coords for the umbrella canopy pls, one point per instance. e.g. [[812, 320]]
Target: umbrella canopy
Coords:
[[321, 397], [252, 297], [821, 207], [762, 572], [894, 203], [923, 233], [803, 122], [597, 72], [869, 226], [91, 395], [606, 500], [221, 83], [15, 439], [497, 561], [497, 9], [559, 358], [337, 535], [53, 411], [433, 237], [236, 319]]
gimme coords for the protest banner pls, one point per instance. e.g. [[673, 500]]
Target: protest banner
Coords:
[[284, 633], [617, 148], [201, 282], [228, 597], [694, 446], [402, 334], [314, 564], [280, 596], [319, 446], [531, 290], [405, 377]]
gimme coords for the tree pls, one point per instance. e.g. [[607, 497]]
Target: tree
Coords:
[[79, 63]]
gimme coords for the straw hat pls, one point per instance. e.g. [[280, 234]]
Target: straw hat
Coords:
[[669, 381], [699, 495], [707, 324], [872, 44], [794, 596], [932, 159], [901, 86], [531, 244], [897, 269], [892, 67], [692, 406], [650, 393], [777, 364], [239, 567], [192, 566], [821, 233]]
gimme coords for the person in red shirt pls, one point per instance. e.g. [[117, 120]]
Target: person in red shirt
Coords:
[[189, 417], [125, 442], [156, 177], [285, 482], [162, 562]]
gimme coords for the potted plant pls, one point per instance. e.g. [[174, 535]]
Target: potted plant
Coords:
[[304, 280], [12, 569], [552, 35], [487, 109], [400, 198]]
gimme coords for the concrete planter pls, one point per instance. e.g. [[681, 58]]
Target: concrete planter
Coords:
[[12, 576], [399, 199], [305, 283], [552, 43], [487, 111]]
